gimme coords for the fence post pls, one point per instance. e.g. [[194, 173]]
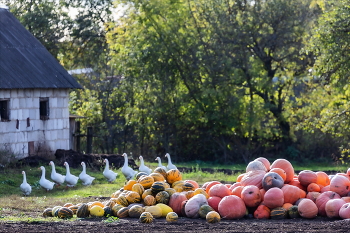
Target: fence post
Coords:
[[77, 133], [89, 140]]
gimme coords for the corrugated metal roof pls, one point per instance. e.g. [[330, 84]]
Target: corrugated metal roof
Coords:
[[25, 62]]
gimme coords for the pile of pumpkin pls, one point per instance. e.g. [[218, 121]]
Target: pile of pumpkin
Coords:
[[264, 191]]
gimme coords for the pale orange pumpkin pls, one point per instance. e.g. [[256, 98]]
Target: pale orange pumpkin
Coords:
[[232, 207], [344, 211], [239, 178], [213, 202], [237, 191], [253, 178], [251, 196], [273, 198], [219, 190], [175, 202], [290, 193], [340, 184], [313, 196], [307, 177], [287, 205], [333, 206], [211, 184], [286, 166], [307, 208]]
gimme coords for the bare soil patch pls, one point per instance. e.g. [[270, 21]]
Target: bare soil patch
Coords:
[[318, 224]]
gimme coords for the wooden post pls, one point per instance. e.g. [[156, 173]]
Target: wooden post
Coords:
[[77, 136], [89, 140]]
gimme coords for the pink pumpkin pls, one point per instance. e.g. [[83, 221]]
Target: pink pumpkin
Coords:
[[214, 202], [274, 198], [307, 208], [253, 178], [322, 200], [219, 190], [344, 211], [333, 206], [340, 184], [232, 207], [176, 200], [291, 193]]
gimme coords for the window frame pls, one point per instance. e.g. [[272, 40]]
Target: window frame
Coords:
[[5, 112], [44, 108]]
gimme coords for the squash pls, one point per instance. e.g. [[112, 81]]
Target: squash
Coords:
[[193, 182], [149, 200], [307, 177], [290, 193], [97, 211], [187, 186], [201, 191], [333, 206], [265, 161], [160, 171], [83, 211], [146, 181], [135, 211], [157, 177], [65, 212], [138, 188], [204, 210], [253, 178], [146, 192], [108, 211], [173, 175], [193, 205], [54, 209], [162, 197], [146, 217], [170, 191], [116, 208], [47, 213], [293, 212], [279, 213], [123, 212], [344, 211], [121, 200], [322, 178], [165, 209], [133, 197], [171, 217], [322, 200], [138, 175], [157, 187], [156, 211], [255, 165], [340, 184], [189, 194], [280, 172], [129, 184], [213, 217], [214, 202], [179, 183]]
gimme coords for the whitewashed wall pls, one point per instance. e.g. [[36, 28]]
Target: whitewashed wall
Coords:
[[51, 134]]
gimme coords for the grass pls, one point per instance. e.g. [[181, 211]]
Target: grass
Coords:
[[15, 207]]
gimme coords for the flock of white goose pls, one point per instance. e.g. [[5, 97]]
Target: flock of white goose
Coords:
[[71, 180]]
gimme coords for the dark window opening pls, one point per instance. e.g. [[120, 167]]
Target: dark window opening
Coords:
[[44, 109], [5, 110]]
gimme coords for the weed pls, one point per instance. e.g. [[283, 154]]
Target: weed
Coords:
[[111, 219]]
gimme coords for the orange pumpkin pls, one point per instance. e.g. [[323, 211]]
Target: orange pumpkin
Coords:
[[129, 184], [313, 196], [286, 166], [211, 184], [237, 191], [313, 187], [287, 206], [239, 178], [262, 212], [280, 172], [219, 190], [273, 198], [322, 178]]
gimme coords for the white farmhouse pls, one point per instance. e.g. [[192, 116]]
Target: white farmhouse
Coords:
[[34, 93]]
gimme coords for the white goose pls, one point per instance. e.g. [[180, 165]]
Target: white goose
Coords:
[[143, 167], [127, 171], [70, 179], [56, 177], [25, 187], [170, 165], [109, 174], [85, 178], [160, 164], [45, 183]]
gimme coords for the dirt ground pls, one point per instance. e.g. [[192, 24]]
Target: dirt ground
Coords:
[[318, 224]]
